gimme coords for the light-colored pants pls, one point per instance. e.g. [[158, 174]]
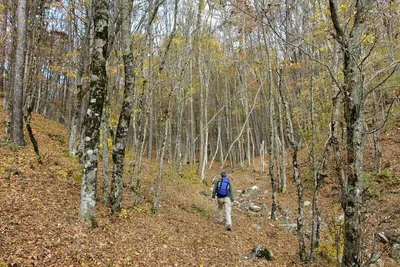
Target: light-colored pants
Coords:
[[226, 201]]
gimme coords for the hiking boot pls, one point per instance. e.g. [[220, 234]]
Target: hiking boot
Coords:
[[229, 228]]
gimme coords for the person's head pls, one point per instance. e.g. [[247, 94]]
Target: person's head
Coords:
[[223, 174]]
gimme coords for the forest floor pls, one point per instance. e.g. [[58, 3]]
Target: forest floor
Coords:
[[39, 205]]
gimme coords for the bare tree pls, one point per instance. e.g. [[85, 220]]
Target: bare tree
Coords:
[[120, 142], [295, 146], [98, 89], [353, 90], [167, 117]]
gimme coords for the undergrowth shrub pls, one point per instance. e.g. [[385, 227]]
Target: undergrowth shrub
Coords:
[[378, 184], [332, 241]]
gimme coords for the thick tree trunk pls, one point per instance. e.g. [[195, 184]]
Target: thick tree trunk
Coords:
[[120, 142], [354, 118], [17, 116], [98, 86]]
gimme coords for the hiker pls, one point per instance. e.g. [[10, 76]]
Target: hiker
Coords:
[[224, 192]]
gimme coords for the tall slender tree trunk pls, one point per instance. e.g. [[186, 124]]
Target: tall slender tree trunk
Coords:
[[105, 159], [375, 135], [3, 51], [202, 122], [120, 142], [296, 176], [272, 155], [271, 149], [321, 169], [17, 116], [205, 128], [29, 116], [192, 119], [32, 72], [167, 116], [7, 103], [83, 68], [98, 86], [151, 97]]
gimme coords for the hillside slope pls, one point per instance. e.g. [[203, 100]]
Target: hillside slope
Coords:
[[39, 224]]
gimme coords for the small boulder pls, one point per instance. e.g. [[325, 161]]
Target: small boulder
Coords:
[[264, 209], [254, 188], [254, 208], [386, 237], [291, 227], [307, 203], [261, 252], [374, 260], [395, 252], [252, 191], [257, 226]]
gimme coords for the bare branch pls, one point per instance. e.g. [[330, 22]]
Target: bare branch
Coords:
[[395, 63], [386, 118], [339, 36], [269, 24], [244, 124]]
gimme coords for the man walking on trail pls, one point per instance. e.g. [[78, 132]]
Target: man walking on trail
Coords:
[[224, 192]]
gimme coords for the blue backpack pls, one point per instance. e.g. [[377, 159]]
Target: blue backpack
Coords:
[[223, 187]]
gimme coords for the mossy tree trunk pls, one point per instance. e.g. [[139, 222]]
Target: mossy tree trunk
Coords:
[[98, 89], [118, 154], [353, 89]]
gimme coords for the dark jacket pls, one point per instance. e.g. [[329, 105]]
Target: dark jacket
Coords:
[[230, 190]]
